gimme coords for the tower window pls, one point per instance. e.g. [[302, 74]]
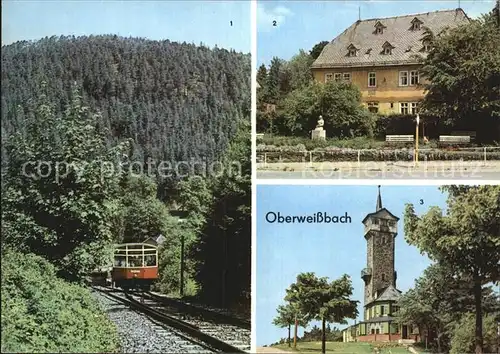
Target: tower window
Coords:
[[382, 310], [383, 277]]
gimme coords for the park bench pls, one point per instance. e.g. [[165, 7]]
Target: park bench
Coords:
[[470, 133], [259, 136], [399, 138], [454, 139]]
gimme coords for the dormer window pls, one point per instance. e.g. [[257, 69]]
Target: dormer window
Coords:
[[387, 48], [352, 51], [416, 24], [426, 46], [379, 28]]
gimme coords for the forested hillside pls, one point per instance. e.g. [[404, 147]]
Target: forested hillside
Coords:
[[72, 107], [178, 102]]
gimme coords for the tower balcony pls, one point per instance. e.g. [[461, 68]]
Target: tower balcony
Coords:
[[366, 273]]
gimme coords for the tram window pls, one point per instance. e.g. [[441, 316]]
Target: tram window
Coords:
[[119, 261], [150, 260], [135, 261]]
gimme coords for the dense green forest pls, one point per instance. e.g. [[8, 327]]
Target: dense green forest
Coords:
[[79, 104]]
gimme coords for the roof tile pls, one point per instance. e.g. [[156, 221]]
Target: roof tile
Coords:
[[397, 32]]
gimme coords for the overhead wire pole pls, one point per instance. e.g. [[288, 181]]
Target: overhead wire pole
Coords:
[[181, 281]]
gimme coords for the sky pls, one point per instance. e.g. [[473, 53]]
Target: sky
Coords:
[[330, 250], [191, 21], [302, 24]]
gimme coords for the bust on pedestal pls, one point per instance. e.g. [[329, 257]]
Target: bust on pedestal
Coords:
[[319, 132]]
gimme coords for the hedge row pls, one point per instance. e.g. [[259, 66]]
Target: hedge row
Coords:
[[376, 155], [42, 313]]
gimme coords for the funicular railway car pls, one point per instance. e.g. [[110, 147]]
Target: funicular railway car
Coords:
[[135, 266]]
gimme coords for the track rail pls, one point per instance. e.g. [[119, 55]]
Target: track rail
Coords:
[[195, 310], [192, 330]]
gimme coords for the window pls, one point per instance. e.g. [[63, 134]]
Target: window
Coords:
[[382, 310], [403, 78], [352, 52], [373, 330], [414, 78], [347, 76], [379, 28], [427, 46], [383, 277], [337, 76], [373, 107], [414, 107], [392, 104], [372, 79], [377, 331], [415, 26], [375, 221], [404, 108], [387, 51], [328, 77]]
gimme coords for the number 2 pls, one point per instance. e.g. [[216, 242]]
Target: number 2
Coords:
[[274, 23]]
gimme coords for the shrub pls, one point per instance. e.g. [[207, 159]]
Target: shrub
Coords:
[[333, 154], [463, 338], [43, 313]]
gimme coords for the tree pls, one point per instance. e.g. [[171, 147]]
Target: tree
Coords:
[[338, 103], [438, 301], [262, 75], [273, 80], [318, 299], [466, 238], [60, 179], [317, 49], [289, 315], [223, 248], [463, 69], [300, 70], [462, 340]]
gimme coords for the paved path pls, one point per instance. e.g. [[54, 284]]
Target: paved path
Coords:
[[270, 350], [458, 170]]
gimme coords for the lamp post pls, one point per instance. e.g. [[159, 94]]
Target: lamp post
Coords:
[[416, 139]]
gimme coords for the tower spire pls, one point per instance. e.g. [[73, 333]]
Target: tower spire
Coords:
[[379, 200]]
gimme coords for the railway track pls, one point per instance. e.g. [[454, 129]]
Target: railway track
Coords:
[[207, 314], [196, 331]]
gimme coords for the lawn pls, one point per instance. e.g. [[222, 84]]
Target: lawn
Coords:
[[340, 347]]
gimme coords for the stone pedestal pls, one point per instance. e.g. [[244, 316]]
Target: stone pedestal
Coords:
[[318, 134]]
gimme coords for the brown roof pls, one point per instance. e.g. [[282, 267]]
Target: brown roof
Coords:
[[396, 32]]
